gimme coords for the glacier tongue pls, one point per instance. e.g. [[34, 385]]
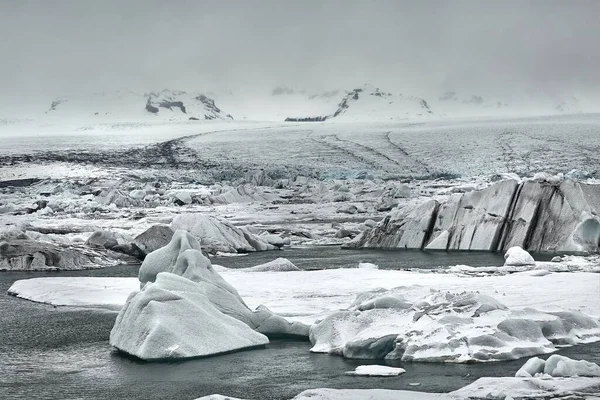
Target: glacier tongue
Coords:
[[538, 216]]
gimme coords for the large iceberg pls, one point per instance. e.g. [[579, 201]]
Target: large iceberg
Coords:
[[416, 323], [174, 317], [538, 216], [186, 309]]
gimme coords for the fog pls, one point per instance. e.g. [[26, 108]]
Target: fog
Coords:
[[53, 47]]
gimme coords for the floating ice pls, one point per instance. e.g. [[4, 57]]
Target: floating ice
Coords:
[[416, 323], [559, 366], [376, 370], [516, 256]]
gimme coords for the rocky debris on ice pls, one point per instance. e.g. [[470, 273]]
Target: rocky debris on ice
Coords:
[[190, 310], [416, 323], [219, 235], [536, 215], [558, 366], [376, 370], [33, 255], [153, 238], [517, 257], [278, 265]]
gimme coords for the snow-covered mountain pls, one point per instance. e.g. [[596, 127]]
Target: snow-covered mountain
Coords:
[[368, 103], [365, 103], [166, 105]]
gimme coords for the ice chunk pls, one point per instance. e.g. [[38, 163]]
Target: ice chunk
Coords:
[[417, 323], [219, 235], [557, 365], [376, 370], [153, 238], [516, 256], [174, 317], [532, 367], [280, 264], [403, 228], [367, 265], [185, 308]]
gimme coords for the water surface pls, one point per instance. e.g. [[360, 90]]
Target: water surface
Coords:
[[51, 352]]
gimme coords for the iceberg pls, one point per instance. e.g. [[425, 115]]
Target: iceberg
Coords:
[[517, 257], [540, 216], [558, 366], [376, 370], [174, 317], [416, 323], [219, 235], [280, 264], [186, 309]]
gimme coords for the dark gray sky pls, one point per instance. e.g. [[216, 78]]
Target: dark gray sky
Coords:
[[415, 46]]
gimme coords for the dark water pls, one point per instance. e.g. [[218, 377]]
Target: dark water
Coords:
[[63, 353], [324, 257]]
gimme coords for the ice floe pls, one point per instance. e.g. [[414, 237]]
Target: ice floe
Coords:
[[416, 323], [376, 370]]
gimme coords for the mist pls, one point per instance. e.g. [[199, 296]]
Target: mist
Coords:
[[426, 47]]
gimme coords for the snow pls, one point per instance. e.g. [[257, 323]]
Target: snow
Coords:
[[516, 256], [108, 293], [309, 293], [376, 370]]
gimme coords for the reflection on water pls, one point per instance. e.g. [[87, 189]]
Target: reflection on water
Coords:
[[63, 353]]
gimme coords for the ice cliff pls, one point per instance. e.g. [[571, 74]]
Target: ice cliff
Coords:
[[539, 216]]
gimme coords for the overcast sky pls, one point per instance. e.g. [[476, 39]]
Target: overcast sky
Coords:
[[415, 46]]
